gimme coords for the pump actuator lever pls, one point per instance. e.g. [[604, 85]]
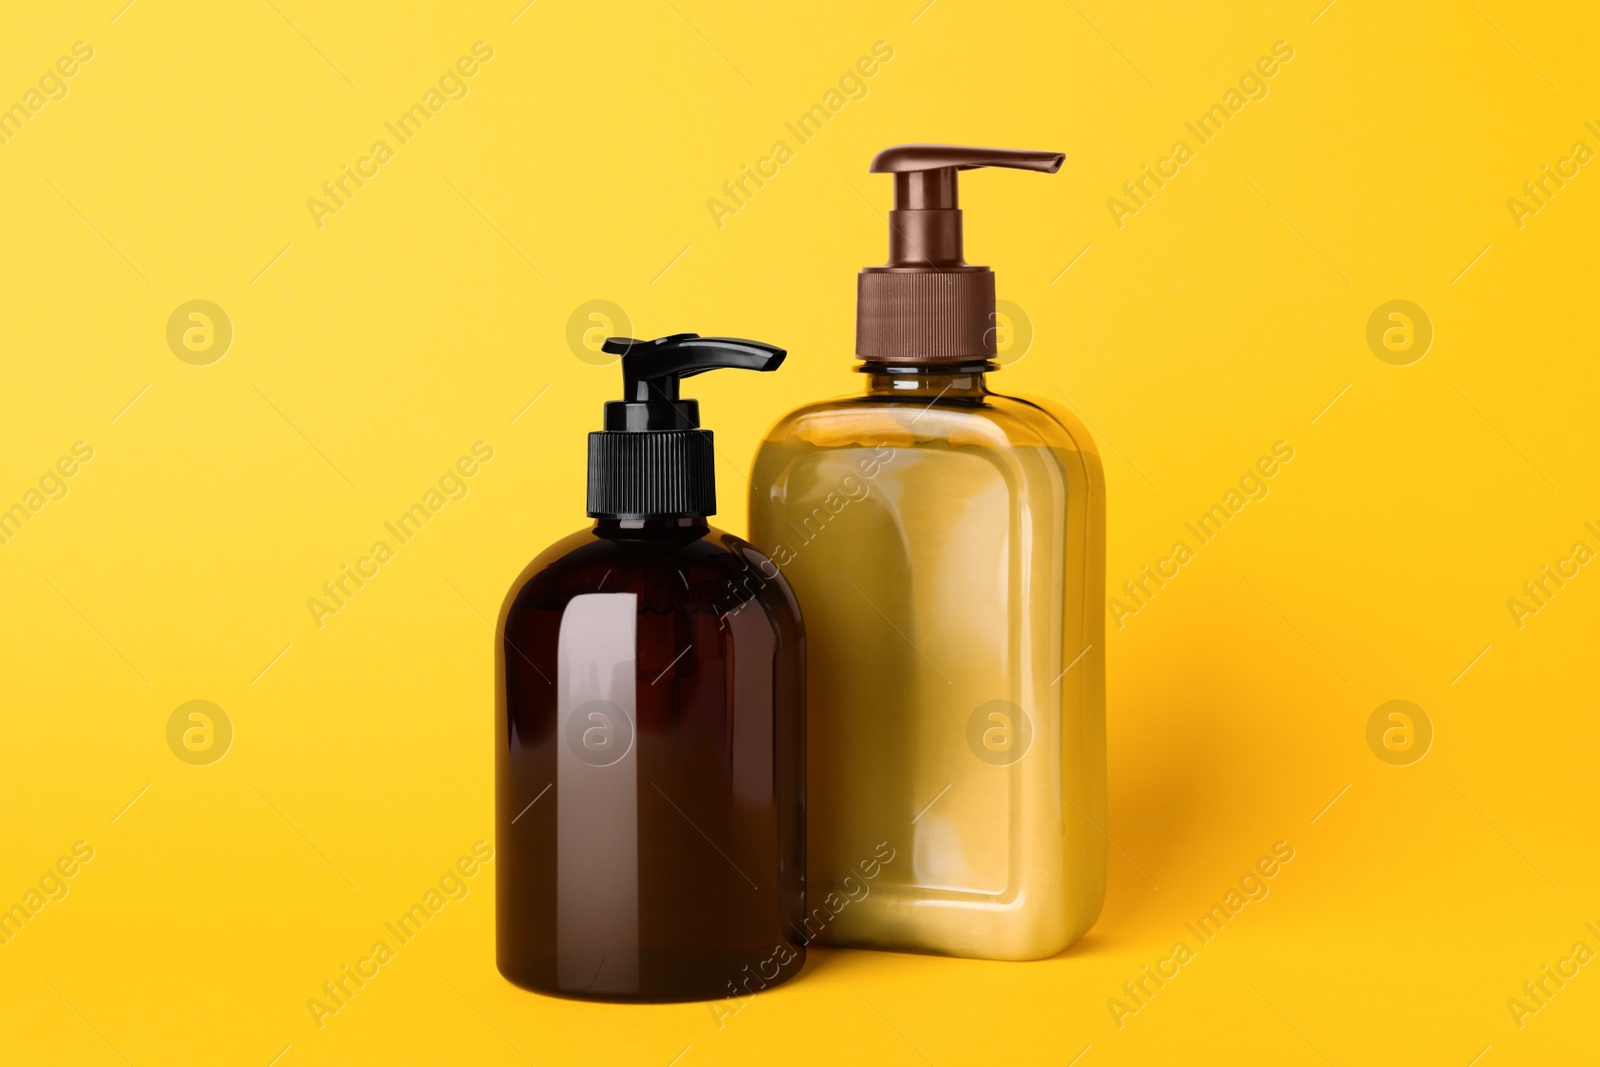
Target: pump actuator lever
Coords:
[[651, 369]]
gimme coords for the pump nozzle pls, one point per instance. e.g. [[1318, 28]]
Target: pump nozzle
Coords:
[[653, 460], [925, 226], [928, 305], [651, 371]]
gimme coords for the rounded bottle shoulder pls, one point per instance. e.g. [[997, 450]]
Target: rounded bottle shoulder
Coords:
[[708, 570], [990, 419]]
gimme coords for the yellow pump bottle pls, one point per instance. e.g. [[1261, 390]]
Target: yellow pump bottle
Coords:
[[947, 545]]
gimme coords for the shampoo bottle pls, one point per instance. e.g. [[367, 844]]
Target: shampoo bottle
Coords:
[[948, 544], [649, 723]]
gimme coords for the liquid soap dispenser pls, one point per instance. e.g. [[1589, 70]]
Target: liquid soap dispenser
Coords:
[[948, 543], [649, 715]]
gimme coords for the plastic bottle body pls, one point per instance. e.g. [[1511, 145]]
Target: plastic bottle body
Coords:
[[948, 546], [650, 768]]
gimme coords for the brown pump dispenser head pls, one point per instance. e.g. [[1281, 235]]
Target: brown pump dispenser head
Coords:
[[927, 304]]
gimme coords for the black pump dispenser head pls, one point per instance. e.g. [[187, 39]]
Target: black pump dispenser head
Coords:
[[652, 460]]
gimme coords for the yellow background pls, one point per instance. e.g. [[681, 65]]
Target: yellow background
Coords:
[[370, 353]]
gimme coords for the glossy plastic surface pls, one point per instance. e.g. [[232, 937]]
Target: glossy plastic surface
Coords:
[[650, 768], [948, 547]]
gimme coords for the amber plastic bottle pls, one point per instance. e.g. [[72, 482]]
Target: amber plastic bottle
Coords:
[[948, 544], [650, 749]]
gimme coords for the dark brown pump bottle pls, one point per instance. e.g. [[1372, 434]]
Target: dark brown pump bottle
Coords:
[[650, 744]]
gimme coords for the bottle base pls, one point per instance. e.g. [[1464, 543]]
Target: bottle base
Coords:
[[655, 975], [958, 936]]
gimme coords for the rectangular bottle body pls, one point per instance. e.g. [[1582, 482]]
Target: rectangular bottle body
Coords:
[[949, 557]]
